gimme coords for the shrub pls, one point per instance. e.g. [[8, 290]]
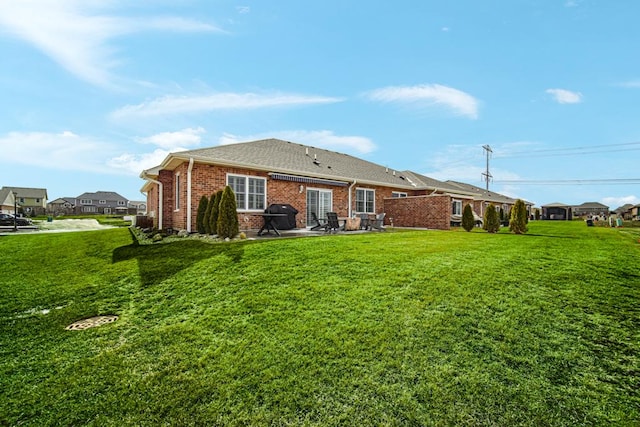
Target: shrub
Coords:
[[227, 216], [215, 211], [468, 221], [202, 210], [207, 214], [518, 223], [491, 220]]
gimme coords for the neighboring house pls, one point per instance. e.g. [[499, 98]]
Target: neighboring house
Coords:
[[31, 201], [62, 206], [137, 207], [101, 202], [635, 213], [6, 201], [312, 180], [591, 209], [557, 211], [624, 211]]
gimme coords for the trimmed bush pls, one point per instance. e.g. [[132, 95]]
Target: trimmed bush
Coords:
[[491, 220], [227, 216], [468, 221], [202, 209], [215, 210], [518, 223], [207, 214]]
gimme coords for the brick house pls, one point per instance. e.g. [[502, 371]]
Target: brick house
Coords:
[[312, 180]]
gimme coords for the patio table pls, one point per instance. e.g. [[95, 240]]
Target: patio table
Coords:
[[268, 224]]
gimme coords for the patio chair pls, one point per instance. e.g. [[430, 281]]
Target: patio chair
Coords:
[[365, 224], [318, 223], [333, 224], [378, 223]]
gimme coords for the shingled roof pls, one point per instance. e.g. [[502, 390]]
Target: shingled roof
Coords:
[[278, 156], [283, 157]]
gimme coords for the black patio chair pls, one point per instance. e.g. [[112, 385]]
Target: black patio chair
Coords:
[[318, 223], [333, 225]]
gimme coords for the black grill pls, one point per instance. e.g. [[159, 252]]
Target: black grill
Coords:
[[283, 222]]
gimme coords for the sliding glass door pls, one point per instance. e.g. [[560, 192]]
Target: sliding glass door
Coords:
[[319, 202]]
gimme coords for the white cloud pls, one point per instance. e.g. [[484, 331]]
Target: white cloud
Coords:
[[634, 84], [616, 202], [75, 35], [243, 9], [63, 151], [173, 141], [170, 105], [563, 96], [133, 164], [459, 102], [321, 139]]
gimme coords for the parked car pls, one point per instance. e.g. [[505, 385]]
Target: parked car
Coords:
[[8, 219]]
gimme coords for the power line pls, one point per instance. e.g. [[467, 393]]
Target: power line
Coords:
[[614, 181], [571, 151]]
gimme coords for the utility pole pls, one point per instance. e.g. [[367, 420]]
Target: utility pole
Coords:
[[486, 176]]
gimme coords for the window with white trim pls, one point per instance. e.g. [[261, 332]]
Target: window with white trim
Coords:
[[398, 194], [85, 201], [102, 202], [177, 187], [121, 202], [365, 200], [456, 207], [250, 191]]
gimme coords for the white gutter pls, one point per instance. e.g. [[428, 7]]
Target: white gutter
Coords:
[[160, 187], [350, 188], [189, 194]]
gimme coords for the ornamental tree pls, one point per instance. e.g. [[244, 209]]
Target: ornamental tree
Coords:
[[491, 220], [468, 221], [228, 226], [518, 223], [202, 209]]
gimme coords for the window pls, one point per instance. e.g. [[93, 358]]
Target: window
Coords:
[[319, 202], [398, 194], [250, 191], [85, 201], [365, 200], [103, 202], [107, 210], [177, 192], [37, 200], [456, 207], [89, 209], [21, 199], [121, 203]]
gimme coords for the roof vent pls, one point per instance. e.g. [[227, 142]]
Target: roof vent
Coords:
[[315, 159]]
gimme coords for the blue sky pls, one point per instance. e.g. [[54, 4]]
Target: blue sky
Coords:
[[95, 91]]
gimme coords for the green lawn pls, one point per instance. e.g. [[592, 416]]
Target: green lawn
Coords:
[[396, 328]]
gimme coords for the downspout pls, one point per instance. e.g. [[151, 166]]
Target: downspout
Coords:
[[160, 191], [189, 194], [350, 204]]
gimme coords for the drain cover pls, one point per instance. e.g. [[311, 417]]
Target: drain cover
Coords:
[[91, 322]]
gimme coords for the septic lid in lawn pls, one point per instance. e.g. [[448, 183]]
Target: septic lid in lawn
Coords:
[[91, 322]]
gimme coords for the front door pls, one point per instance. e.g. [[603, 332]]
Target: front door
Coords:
[[318, 202]]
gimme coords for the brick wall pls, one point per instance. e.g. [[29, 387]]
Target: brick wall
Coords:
[[419, 211]]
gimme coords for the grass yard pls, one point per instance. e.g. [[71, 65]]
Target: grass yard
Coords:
[[398, 328]]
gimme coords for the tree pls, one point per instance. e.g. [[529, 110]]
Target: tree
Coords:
[[491, 220], [228, 226], [215, 211], [207, 215], [202, 209], [468, 221], [518, 223]]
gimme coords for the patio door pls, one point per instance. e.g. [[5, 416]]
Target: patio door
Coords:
[[318, 202]]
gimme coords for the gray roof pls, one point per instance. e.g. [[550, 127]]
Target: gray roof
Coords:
[[280, 156], [482, 193], [101, 195], [592, 205], [284, 157], [30, 193]]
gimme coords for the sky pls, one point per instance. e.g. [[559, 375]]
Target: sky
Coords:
[[92, 92]]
